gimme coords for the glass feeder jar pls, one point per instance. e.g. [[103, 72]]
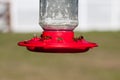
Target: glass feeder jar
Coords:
[[58, 15]]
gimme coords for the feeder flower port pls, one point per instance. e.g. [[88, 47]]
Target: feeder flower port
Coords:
[[58, 18]]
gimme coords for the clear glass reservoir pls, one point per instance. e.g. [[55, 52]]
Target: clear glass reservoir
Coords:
[[58, 14]]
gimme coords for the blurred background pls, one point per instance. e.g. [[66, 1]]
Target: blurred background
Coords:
[[99, 21], [94, 15]]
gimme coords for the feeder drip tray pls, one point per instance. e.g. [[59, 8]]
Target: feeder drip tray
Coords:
[[58, 42]]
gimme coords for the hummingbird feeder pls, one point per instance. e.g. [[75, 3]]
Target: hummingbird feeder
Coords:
[[58, 18]]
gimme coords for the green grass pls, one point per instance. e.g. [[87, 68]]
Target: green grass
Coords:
[[101, 63]]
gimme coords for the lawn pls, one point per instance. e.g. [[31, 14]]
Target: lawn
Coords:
[[101, 63]]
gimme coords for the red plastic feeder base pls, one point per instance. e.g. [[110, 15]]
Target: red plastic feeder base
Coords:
[[58, 42]]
